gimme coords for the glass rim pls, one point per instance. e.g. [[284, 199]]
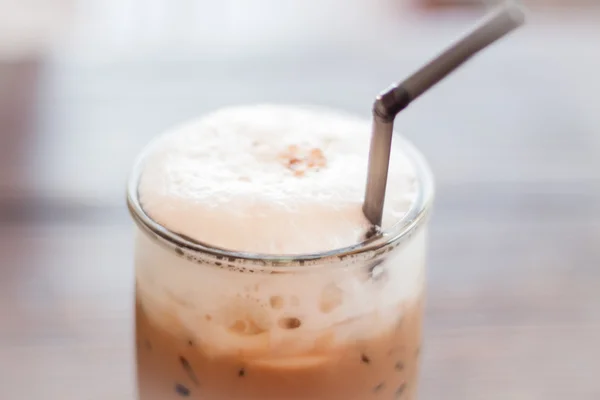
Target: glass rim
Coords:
[[369, 249]]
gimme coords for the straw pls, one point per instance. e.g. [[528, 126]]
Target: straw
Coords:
[[388, 104]]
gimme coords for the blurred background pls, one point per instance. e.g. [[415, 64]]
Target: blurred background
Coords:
[[513, 139]]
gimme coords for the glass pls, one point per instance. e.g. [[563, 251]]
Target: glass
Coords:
[[345, 324]]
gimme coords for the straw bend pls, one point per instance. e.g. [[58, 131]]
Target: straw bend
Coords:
[[387, 105]]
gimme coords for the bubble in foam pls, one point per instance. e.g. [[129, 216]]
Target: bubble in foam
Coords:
[[289, 323], [331, 298], [245, 316], [276, 302], [269, 179]]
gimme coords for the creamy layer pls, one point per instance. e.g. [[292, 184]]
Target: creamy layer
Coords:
[[258, 315], [270, 179]]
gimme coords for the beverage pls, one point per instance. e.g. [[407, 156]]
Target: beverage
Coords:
[[253, 276]]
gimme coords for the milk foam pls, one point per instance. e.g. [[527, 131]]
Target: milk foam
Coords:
[[270, 179], [273, 179], [228, 313]]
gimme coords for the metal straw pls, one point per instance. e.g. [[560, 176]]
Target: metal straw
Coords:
[[388, 104]]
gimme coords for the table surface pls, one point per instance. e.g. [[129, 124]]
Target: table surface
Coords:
[[513, 138]]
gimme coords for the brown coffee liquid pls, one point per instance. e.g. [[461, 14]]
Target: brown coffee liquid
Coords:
[[383, 367]]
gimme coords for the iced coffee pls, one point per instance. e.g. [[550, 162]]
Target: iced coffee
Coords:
[[258, 276]]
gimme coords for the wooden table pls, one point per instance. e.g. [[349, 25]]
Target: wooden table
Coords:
[[514, 140]]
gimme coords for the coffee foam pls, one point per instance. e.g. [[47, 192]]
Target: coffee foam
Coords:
[[270, 179], [269, 316], [282, 180]]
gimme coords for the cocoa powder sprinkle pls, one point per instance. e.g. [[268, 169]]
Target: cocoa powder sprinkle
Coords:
[[302, 160]]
